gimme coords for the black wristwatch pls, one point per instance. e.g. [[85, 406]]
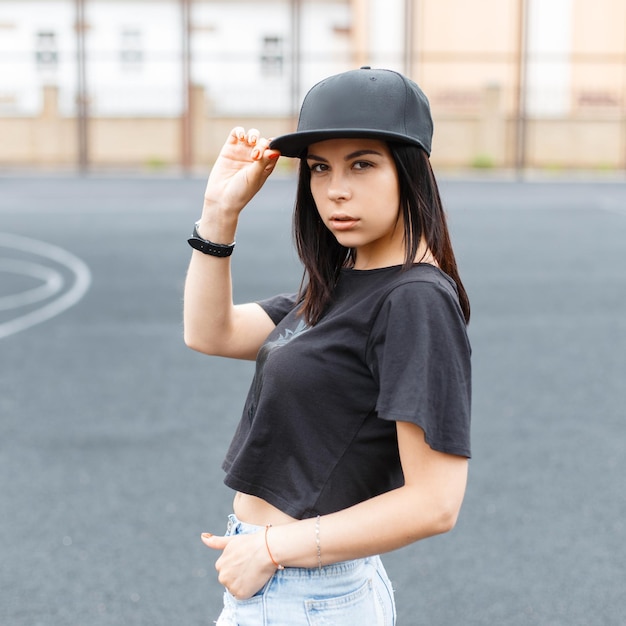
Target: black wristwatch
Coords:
[[208, 247]]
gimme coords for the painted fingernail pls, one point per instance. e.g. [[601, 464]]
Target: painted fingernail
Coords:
[[273, 156], [206, 535]]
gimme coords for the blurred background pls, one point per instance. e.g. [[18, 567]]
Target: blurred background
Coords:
[[156, 84]]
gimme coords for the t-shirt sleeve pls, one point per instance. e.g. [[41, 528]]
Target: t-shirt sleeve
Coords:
[[278, 306], [419, 352]]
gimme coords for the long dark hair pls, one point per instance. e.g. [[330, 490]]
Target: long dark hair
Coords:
[[421, 207]]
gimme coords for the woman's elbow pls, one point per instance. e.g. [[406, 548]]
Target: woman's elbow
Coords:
[[447, 518], [442, 509], [212, 345], [431, 518], [193, 345], [196, 342], [449, 497]]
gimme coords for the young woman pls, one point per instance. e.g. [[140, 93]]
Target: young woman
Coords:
[[354, 438]]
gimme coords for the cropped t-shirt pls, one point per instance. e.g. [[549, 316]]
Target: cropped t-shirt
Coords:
[[318, 430]]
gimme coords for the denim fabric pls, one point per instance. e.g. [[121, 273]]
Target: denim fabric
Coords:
[[344, 594]]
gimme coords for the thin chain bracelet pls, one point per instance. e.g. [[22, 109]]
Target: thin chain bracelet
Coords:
[[318, 543], [267, 545]]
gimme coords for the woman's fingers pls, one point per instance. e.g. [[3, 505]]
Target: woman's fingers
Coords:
[[217, 542], [253, 139], [253, 136], [241, 169], [240, 135], [237, 134]]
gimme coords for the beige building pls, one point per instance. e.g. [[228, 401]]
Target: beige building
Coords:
[[158, 83]]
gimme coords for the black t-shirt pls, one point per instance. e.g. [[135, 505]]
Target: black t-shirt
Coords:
[[318, 430]]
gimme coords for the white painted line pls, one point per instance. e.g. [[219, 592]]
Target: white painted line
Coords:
[[52, 283], [48, 251]]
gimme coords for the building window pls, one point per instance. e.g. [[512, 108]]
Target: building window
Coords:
[[272, 56], [131, 49], [47, 55]]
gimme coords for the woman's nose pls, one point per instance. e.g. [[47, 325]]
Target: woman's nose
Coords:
[[339, 188]]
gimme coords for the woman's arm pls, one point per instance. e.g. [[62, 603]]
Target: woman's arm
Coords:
[[212, 323], [427, 504]]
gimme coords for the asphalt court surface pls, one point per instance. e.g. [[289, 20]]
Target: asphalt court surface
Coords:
[[112, 432]]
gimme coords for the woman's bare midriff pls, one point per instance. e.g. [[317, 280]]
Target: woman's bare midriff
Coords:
[[253, 510]]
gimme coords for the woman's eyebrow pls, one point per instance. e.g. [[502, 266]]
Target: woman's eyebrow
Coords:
[[358, 153], [348, 157]]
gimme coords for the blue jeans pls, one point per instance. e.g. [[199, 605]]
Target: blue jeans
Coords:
[[344, 594]]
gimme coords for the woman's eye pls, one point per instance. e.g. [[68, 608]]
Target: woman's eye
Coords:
[[317, 167], [361, 165]]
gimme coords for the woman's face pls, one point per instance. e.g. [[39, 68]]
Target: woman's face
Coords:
[[355, 186]]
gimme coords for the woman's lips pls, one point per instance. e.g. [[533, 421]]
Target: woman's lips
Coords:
[[343, 222]]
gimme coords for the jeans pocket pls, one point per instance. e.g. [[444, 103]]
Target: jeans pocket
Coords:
[[250, 612], [227, 617], [384, 595], [357, 607]]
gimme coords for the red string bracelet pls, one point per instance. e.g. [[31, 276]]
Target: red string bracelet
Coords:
[[267, 545]]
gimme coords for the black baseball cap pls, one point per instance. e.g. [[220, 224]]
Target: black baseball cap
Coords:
[[372, 103]]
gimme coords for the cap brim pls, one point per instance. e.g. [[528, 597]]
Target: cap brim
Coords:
[[295, 144]]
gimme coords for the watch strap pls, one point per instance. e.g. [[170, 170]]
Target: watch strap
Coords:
[[208, 247]]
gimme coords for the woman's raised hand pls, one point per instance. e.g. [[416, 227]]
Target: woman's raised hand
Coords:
[[213, 325], [242, 167]]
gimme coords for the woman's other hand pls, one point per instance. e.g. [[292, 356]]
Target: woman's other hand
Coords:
[[244, 566]]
